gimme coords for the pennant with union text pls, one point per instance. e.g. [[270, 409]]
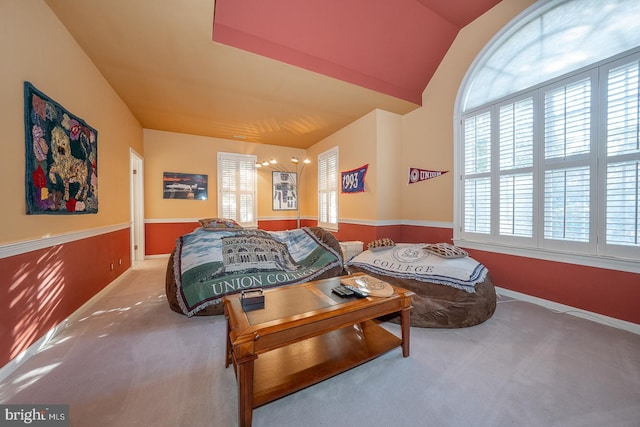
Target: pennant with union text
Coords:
[[417, 175]]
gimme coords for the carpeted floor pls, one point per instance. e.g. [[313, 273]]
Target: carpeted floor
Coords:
[[127, 360]]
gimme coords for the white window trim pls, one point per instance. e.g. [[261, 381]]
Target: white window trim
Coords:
[[611, 250], [620, 264], [329, 225], [249, 158], [622, 259]]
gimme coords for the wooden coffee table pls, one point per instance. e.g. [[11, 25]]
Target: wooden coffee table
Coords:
[[304, 335]]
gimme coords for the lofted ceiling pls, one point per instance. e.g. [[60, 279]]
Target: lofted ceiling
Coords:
[[281, 72]]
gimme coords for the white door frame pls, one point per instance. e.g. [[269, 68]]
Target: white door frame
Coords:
[[136, 191]]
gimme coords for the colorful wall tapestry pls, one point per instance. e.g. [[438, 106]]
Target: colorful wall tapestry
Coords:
[[353, 180], [61, 158]]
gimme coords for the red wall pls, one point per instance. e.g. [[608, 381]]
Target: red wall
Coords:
[[608, 292], [160, 238], [42, 288]]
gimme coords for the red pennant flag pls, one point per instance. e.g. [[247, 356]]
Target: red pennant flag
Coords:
[[417, 175]]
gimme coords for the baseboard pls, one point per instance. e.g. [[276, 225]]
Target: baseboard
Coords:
[[578, 312], [157, 256], [40, 344]]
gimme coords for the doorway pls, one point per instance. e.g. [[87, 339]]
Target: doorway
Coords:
[[136, 184]]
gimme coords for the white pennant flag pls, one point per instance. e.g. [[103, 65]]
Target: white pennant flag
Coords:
[[417, 175]]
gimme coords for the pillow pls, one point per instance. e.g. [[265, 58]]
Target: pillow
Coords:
[[218, 224], [445, 250], [380, 244]]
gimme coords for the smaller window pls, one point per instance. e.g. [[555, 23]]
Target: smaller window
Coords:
[[328, 189], [237, 188]]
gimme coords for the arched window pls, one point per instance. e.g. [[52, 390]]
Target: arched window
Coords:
[[548, 148]]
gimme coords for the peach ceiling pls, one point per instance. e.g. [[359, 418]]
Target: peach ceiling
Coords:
[[281, 72]]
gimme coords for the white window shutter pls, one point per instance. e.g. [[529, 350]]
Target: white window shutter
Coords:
[[622, 213], [328, 188], [237, 188], [516, 201]]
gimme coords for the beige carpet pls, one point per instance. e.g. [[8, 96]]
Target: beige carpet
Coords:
[[127, 360]]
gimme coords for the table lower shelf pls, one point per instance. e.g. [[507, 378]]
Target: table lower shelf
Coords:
[[288, 369]]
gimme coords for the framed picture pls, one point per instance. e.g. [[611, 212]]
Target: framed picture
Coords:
[[285, 191], [184, 186]]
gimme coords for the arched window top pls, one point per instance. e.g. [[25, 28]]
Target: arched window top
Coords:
[[558, 37]]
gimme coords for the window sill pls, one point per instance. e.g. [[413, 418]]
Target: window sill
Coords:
[[329, 227], [620, 264]]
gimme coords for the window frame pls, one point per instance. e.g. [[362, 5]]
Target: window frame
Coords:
[[332, 186], [620, 251], [588, 161], [250, 161], [595, 252]]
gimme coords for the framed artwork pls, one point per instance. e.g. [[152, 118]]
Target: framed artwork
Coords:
[[285, 191], [61, 158], [184, 186]]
